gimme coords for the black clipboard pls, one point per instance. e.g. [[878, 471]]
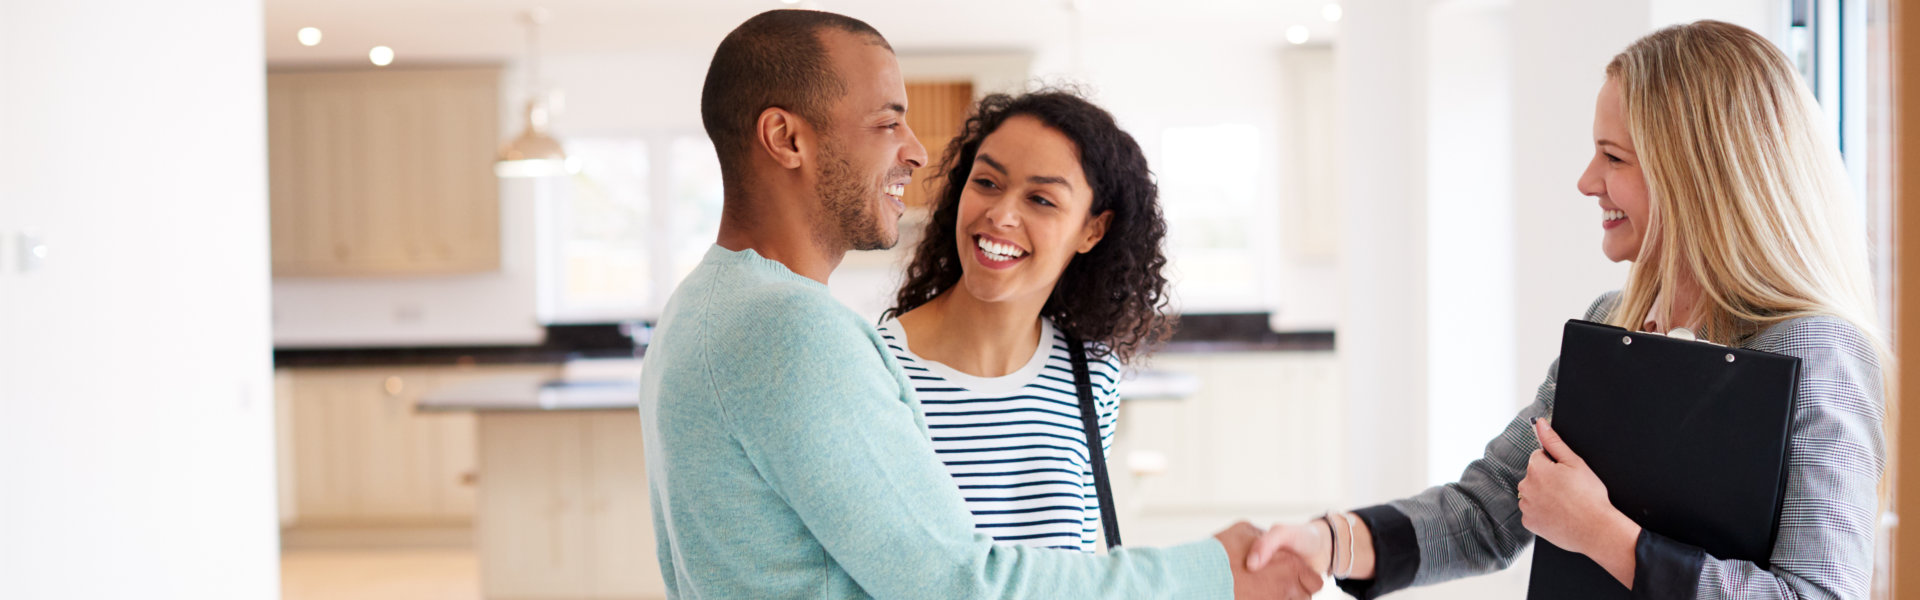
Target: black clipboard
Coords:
[[1689, 437]]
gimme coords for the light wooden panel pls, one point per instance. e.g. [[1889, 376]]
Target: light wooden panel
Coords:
[[1251, 407], [361, 456], [936, 111], [384, 172], [564, 510], [1904, 31]]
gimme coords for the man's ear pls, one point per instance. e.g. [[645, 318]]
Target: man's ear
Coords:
[[1095, 230], [779, 134]]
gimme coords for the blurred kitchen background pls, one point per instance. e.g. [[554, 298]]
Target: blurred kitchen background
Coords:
[[1374, 232]]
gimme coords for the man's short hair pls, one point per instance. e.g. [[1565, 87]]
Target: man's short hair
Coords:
[[775, 59]]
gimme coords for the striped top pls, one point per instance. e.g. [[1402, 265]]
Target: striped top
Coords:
[[1014, 444]]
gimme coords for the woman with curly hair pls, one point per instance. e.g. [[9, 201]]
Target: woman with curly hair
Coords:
[[1045, 235]]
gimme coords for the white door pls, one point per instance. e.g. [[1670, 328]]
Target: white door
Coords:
[[136, 395]]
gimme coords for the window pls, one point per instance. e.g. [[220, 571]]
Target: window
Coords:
[[1840, 47], [1217, 240], [619, 235]]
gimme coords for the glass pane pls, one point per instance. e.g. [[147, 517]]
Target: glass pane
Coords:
[[1206, 179], [695, 207], [606, 224]]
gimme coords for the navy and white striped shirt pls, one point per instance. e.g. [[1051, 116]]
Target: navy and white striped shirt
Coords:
[[1014, 444]]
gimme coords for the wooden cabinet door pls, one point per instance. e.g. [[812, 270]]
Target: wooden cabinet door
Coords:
[[565, 511], [384, 172], [363, 455], [313, 131], [623, 560], [937, 112], [531, 531], [323, 476]]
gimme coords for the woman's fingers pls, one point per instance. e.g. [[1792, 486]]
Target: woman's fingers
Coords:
[[1550, 442], [1271, 541], [1280, 538]]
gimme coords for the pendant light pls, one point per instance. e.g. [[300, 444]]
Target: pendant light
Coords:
[[534, 153]]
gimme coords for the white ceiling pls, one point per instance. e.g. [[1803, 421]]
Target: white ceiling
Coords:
[[490, 30]]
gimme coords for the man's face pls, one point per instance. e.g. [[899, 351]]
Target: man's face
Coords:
[[867, 154]]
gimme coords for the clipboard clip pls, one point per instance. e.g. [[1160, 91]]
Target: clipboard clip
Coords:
[[1683, 333]]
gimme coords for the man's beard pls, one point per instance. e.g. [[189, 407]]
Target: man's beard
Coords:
[[849, 203]]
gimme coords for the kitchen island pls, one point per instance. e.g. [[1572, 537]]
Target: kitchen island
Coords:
[[562, 488], [563, 507]]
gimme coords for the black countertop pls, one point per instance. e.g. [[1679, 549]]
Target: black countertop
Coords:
[[1227, 332]]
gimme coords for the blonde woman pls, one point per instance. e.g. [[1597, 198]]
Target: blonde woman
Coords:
[[1715, 179]]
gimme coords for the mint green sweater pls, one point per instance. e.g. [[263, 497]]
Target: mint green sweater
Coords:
[[787, 458]]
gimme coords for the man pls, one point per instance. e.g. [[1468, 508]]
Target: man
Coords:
[[787, 457]]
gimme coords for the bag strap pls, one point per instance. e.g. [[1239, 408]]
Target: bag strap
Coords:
[[1096, 453]]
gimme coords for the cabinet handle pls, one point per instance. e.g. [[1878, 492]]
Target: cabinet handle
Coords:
[[394, 385]]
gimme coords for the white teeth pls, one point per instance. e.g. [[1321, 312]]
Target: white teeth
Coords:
[[1612, 215], [897, 190], [997, 251]]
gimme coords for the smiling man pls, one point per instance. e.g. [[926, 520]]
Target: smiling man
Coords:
[[786, 454]]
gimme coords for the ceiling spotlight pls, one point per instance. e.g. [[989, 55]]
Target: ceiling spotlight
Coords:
[[380, 55], [1297, 34], [309, 36], [1331, 13]]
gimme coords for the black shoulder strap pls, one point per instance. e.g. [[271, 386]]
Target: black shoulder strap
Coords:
[[1096, 453]]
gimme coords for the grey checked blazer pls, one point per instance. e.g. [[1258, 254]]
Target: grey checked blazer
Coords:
[[1835, 457]]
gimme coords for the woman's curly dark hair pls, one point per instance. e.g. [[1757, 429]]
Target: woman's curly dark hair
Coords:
[[1113, 295]]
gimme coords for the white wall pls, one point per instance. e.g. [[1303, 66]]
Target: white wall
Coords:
[[136, 446], [1470, 273], [1383, 330], [1558, 267]]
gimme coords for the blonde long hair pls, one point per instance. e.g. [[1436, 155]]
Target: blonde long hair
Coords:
[[1748, 195]]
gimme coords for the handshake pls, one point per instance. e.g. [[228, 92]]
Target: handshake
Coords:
[[1292, 561]]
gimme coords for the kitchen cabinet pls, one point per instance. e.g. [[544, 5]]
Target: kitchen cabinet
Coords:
[[937, 113], [383, 172], [564, 507], [1259, 440], [361, 455]]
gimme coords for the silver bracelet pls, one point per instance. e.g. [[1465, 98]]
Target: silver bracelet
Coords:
[[1350, 547], [1333, 541]]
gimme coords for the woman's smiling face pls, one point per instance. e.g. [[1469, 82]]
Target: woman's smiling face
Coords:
[[1614, 178], [1023, 213]]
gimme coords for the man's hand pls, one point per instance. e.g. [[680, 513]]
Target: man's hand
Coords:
[[1285, 576]]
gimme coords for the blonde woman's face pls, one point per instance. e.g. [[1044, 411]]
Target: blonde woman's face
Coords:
[[1614, 178]]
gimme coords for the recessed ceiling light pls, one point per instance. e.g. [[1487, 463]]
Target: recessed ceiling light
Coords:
[[1297, 34], [380, 55], [1330, 12], [309, 36]]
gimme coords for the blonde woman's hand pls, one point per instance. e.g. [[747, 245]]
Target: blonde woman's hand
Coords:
[[1308, 540], [1562, 501]]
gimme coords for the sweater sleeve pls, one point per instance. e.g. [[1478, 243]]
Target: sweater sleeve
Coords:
[[825, 421]]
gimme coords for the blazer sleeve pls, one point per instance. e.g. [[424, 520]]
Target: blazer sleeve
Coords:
[[1468, 527], [1835, 455]]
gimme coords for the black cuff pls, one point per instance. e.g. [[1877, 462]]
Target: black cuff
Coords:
[[1663, 568], [1396, 553]]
